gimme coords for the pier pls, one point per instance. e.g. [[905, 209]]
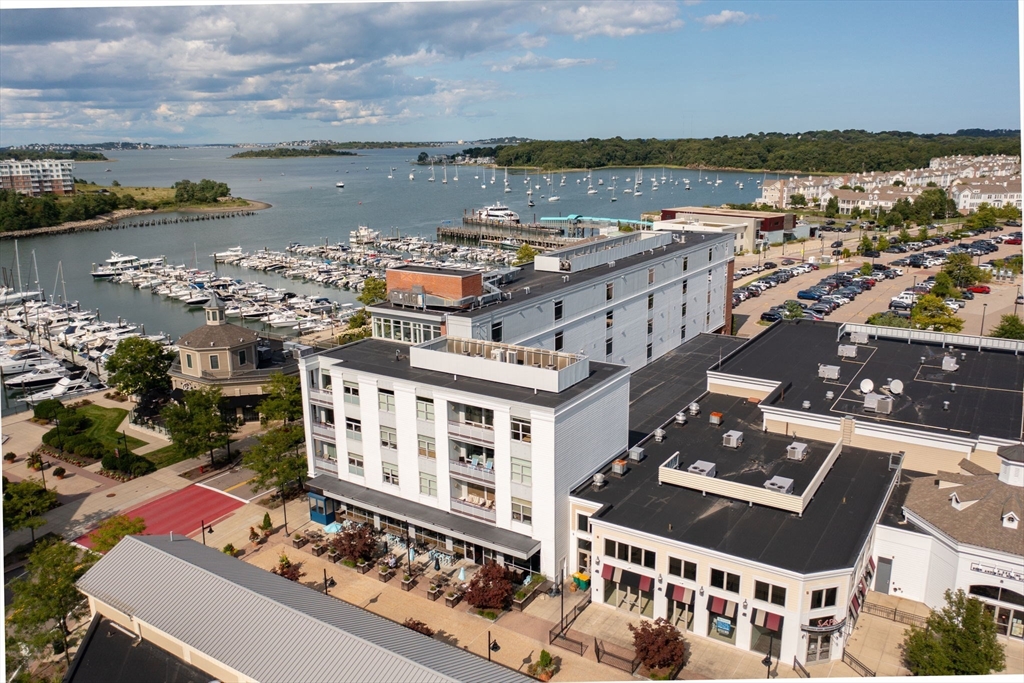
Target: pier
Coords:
[[483, 231]]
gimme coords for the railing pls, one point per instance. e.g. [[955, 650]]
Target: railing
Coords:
[[894, 614], [857, 665], [324, 430], [325, 465], [557, 637], [801, 672], [321, 396], [470, 510], [568, 619], [618, 661], [463, 430], [468, 471]]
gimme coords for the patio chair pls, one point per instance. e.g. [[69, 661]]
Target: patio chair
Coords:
[[489, 465]]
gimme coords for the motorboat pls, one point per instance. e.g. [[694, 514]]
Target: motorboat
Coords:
[[65, 388], [340, 185], [220, 256], [23, 361], [499, 213], [46, 374]]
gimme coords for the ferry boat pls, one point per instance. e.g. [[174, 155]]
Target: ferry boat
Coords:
[[499, 213], [115, 265]]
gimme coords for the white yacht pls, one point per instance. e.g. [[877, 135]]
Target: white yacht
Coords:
[[43, 375], [65, 388], [340, 184], [500, 213]]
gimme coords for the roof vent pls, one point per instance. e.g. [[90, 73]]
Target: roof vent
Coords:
[[828, 371], [702, 468], [923, 359], [636, 453], [611, 264], [796, 451], [949, 364], [945, 405], [829, 395], [806, 405], [715, 418], [963, 356], [599, 481], [732, 439], [694, 408], [659, 435], [779, 484], [847, 351], [952, 388], [565, 278], [619, 467], [681, 418]]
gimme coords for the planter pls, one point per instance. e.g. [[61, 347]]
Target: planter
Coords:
[[363, 567], [452, 600], [333, 556], [384, 576], [407, 584], [434, 593], [299, 542], [319, 550], [9, 459]]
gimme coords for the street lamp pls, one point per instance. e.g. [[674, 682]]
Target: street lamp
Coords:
[[329, 582], [492, 646], [984, 309], [767, 661], [205, 528]]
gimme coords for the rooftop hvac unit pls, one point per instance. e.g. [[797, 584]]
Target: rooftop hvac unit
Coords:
[[715, 418], [871, 401], [884, 405], [659, 435], [828, 371], [619, 467], [949, 363], [498, 354], [681, 418], [779, 484], [599, 481], [732, 439], [796, 451], [859, 337], [694, 408], [847, 351], [636, 453], [703, 468]]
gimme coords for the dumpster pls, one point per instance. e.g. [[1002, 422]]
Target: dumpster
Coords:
[[581, 580]]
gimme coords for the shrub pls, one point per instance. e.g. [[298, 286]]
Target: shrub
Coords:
[[357, 543], [491, 587], [658, 644], [544, 667], [229, 549], [418, 626], [10, 456], [288, 569], [267, 524], [59, 472], [46, 410]]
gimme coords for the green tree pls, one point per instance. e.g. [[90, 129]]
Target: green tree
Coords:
[[797, 200], [46, 598], [898, 183], [904, 235], [883, 243], [374, 290], [277, 460], [422, 158], [832, 207], [958, 640], [944, 287], [25, 502], [139, 366], [793, 311], [922, 234], [866, 269], [961, 268], [196, 425], [113, 529], [283, 398], [887, 319], [858, 188], [983, 217], [865, 245], [526, 254], [1009, 327], [931, 313]]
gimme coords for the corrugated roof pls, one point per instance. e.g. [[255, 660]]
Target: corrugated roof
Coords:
[[265, 626]]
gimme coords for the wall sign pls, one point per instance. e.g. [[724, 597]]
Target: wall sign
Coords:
[[997, 571]]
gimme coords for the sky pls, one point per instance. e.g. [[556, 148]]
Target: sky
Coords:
[[424, 71]]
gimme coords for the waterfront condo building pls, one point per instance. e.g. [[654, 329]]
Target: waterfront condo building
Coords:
[[37, 177]]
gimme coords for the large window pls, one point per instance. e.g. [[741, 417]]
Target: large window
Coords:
[[188, 360], [522, 511], [725, 580], [582, 522], [558, 310], [650, 302], [386, 400], [353, 429], [684, 286], [521, 429], [686, 263], [480, 417], [496, 331], [609, 318], [404, 330], [388, 438], [355, 464], [351, 392], [608, 346], [390, 474], [650, 276], [559, 340], [522, 471], [241, 357], [770, 593], [427, 446], [824, 597], [428, 484], [214, 362], [425, 409], [682, 568], [609, 291], [630, 553]]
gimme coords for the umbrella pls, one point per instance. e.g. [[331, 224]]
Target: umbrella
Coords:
[[437, 563], [332, 528], [412, 554], [462, 574]]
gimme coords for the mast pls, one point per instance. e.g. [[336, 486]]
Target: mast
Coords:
[[17, 260]]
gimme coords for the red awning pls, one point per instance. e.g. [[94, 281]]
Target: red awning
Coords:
[[856, 604], [871, 561], [606, 572], [773, 622], [645, 582], [863, 588], [718, 605], [682, 594]]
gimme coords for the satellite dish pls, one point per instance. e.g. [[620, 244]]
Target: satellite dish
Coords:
[[896, 386], [866, 386]]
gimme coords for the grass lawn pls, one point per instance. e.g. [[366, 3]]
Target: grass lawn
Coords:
[[105, 422], [164, 196], [163, 457]]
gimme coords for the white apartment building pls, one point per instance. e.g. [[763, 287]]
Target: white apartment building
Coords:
[[969, 196], [37, 177], [468, 446]]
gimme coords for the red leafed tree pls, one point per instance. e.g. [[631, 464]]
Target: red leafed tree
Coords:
[[418, 626], [658, 644], [288, 569], [491, 587], [357, 543]]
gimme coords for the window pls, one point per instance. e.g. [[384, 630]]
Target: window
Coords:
[[685, 285], [214, 362], [425, 409], [522, 511], [725, 580], [770, 593], [608, 347], [584, 544], [496, 331], [390, 474], [353, 429], [686, 264], [709, 255], [609, 318], [650, 276], [650, 351], [690, 571], [687, 570], [825, 597], [629, 553], [351, 392], [427, 446], [522, 471], [388, 438], [559, 340], [650, 302], [241, 357], [582, 522], [684, 310], [428, 484], [609, 291], [558, 310], [520, 429], [480, 417], [675, 566], [188, 360], [355, 464], [325, 450], [682, 333], [707, 318], [325, 381], [386, 400], [650, 327]]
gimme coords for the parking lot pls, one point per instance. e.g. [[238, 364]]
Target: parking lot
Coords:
[[747, 314]]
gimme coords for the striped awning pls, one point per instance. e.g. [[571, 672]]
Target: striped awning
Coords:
[[606, 572], [768, 620], [681, 594], [646, 583], [727, 608], [855, 604]]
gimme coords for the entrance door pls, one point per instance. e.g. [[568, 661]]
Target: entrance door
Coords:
[[819, 647], [583, 564], [883, 575]]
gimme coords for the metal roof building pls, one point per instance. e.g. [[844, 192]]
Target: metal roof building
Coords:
[[250, 624]]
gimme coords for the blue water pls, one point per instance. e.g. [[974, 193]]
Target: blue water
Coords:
[[307, 208]]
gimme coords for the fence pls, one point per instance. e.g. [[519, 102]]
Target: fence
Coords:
[[557, 634], [857, 665], [894, 614], [619, 662], [801, 672]]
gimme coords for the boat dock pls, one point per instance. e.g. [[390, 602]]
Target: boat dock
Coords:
[[483, 231]]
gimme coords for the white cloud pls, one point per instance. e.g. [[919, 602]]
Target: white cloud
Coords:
[[532, 62], [612, 19], [726, 17]]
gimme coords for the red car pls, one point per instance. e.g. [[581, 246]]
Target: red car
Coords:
[[980, 289], [1012, 240]]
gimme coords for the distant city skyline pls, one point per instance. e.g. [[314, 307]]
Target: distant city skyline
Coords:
[[470, 70]]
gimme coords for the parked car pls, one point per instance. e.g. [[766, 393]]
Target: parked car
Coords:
[[809, 294], [980, 289], [872, 253], [769, 265], [788, 261], [900, 305], [837, 243], [771, 316]]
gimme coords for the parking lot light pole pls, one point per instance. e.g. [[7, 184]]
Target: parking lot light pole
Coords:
[[984, 309]]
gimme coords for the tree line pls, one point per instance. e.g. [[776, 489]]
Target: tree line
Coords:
[[286, 152], [848, 151], [34, 155]]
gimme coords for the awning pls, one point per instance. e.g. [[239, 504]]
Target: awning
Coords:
[[682, 594], [606, 571], [855, 604], [727, 608], [630, 579], [863, 588], [768, 620], [617, 574], [871, 562], [646, 583]]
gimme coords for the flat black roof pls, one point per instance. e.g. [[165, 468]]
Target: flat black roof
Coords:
[[829, 535], [989, 392], [109, 655], [892, 516], [544, 284], [378, 356], [439, 270], [658, 390]]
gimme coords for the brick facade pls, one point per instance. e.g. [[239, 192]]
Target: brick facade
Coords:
[[444, 284]]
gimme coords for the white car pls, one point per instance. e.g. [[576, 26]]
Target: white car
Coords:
[[952, 304], [898, 271]]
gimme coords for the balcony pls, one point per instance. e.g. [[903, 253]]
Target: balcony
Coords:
[[468, 509], [322, 465], [471, 432], [477, 473], [322, 397], [323, 430]]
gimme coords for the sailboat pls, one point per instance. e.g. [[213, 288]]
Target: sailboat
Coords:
[[613, 194], [456, 178], [390, 176], [494, 172], [412, 175], [590, 187], [507, 188], [562, 183], [444, 181], [530, 203], [638, 186], [431, 178]]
